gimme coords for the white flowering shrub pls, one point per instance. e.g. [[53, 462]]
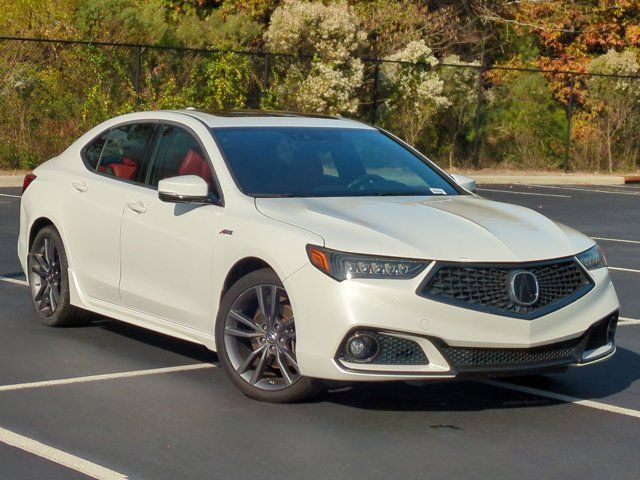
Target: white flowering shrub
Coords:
[[328, 79], [414, 91]]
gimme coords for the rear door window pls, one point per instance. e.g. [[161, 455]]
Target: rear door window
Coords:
[[126, 151]]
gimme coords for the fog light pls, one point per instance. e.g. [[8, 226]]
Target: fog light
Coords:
[[362, 347]]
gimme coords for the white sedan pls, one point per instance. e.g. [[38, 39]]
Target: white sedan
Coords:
[[306, 248]]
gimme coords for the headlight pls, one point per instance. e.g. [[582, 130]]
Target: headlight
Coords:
[[343, 266], [592, 258]]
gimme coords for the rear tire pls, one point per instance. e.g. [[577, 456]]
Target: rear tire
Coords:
[[255, 340], [47, 273]]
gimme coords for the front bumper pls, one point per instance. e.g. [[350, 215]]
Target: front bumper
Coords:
[[328, 311]]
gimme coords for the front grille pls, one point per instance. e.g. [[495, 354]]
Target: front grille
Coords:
[[485, 287], [464, 359]]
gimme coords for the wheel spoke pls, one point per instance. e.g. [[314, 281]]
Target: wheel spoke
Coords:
[[41, 261], [45, 297], [38, 270], [234, 332], [250, 359], [40, 294], [241, 318], [257, 373], [48, 250], [274, 304], [262, 304], [54, 297], [287, 355], [283, 368]]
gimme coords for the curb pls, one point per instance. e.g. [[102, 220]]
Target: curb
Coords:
[[11, 180], [549, 179]]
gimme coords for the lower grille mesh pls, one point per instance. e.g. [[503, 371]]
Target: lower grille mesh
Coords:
[[399, 351], [464, 358]]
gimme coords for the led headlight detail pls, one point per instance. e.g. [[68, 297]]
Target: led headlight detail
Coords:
[[343, 266], [592, 258]]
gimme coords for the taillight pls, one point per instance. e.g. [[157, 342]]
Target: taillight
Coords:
[[28, 178]]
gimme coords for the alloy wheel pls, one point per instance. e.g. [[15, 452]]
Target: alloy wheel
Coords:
[[45, 276], [260, 338]]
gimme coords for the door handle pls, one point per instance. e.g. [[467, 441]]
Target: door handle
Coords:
[[80, 186], [137, 207]]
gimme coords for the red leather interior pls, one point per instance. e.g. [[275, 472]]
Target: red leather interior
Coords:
[[194, 164], [124, 170]]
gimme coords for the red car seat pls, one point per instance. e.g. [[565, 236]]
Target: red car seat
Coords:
[[127, 169], [194, 164]]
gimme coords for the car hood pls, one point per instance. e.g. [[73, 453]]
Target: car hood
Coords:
[[456, 228]]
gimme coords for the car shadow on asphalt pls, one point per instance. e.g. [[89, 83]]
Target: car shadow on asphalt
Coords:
[[595, 382], [184, 348]]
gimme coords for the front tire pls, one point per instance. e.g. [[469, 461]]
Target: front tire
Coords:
[[256, 340], [47, 272]]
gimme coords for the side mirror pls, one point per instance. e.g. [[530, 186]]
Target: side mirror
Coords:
[[184, 189], [465, 182]]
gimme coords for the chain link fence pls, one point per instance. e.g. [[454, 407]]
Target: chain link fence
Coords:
[[51, 91]]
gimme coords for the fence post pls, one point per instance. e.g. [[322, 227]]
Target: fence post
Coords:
[[476, 137], [567, 145], [478, 120], [138, 52], [265, 77], [374, 100]]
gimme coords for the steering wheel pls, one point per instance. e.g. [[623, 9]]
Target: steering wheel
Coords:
[[362, 180]]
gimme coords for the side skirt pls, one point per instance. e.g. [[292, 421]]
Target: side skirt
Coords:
[[134, 317]]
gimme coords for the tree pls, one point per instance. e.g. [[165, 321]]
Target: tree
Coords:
[[525, 125], [460, 87], [613, 100], [414, 90], [326, 74]]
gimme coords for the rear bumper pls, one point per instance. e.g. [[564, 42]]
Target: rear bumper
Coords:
[[327, 312]]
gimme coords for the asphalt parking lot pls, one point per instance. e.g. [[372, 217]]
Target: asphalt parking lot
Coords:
[[113, 401]]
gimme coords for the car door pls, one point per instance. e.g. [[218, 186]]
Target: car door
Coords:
[[168, 248], [94, 202]]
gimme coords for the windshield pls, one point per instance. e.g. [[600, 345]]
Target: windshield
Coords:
[[325, 162]]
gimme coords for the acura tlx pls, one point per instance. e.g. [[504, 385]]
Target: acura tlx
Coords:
[[305, 248]]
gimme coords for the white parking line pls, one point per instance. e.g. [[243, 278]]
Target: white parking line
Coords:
[[616, 240], [622, 321], [17, 281], [619, 269], [523, 193], [564, 398], [614, 192], [106, 376], [10, 196], [58, 456]]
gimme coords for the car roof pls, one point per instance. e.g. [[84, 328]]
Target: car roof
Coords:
[[264, 118]]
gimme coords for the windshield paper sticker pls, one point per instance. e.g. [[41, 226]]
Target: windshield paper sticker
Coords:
[[438, 191]]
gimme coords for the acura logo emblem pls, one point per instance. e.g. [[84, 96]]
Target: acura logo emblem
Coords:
[[524, 289]]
